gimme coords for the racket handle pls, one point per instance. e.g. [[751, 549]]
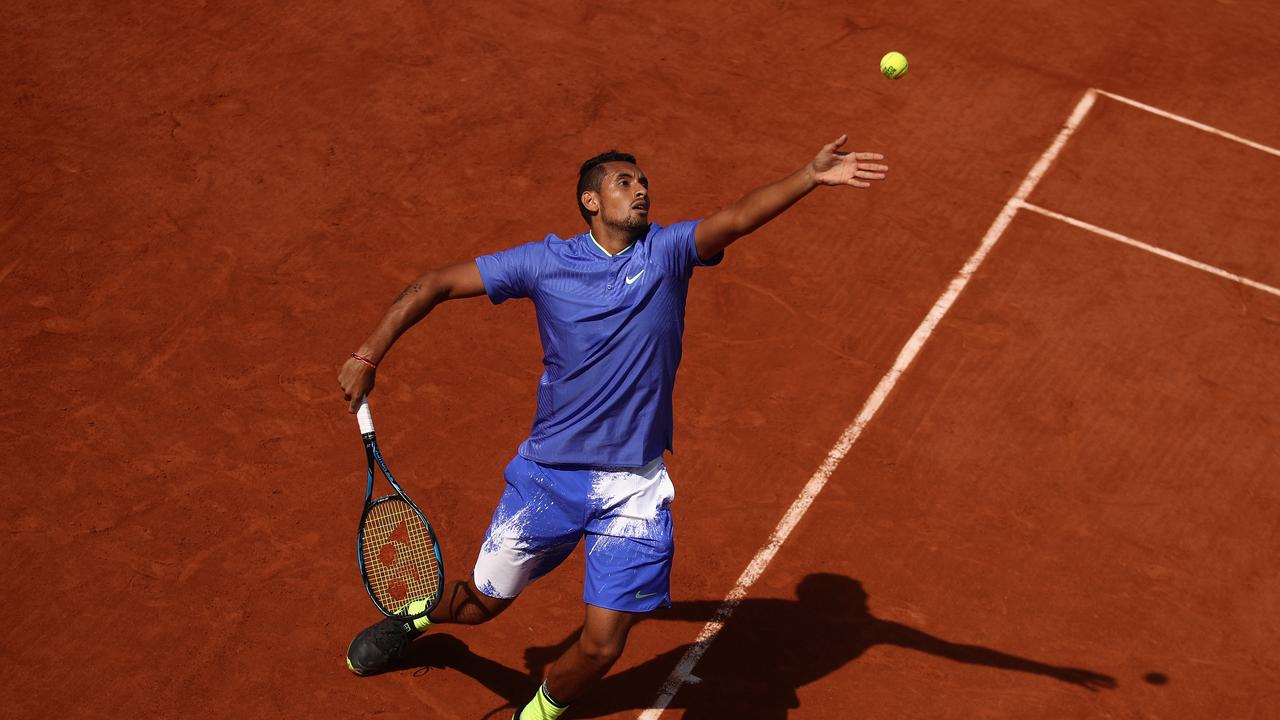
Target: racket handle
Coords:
[[364, 417]]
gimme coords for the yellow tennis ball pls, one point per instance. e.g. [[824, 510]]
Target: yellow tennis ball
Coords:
[[893, 65]]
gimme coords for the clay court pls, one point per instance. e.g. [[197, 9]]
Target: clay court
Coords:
[[997, 438]]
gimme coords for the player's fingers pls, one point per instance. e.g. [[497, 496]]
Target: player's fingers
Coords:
[[874, 167], [859, 183], [869, 175], [869, 156]]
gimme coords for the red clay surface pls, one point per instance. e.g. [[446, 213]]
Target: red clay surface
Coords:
[[1173, 186], [207, 206]]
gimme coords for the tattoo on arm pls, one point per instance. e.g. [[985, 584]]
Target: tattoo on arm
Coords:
[[412, 289]]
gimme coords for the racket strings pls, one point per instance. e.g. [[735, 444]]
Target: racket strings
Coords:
[[400, 560]]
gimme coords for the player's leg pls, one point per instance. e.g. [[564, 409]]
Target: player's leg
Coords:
[[630, 545], [536, 525], [603, 637], [462, 603]]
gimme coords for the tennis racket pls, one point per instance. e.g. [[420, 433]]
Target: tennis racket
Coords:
[[400, 560]]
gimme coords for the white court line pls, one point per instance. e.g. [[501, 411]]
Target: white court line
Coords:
[[1152, 249], [683, 671], [1188, 121]]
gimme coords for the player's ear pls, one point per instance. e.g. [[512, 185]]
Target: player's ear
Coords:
[[591, 200]]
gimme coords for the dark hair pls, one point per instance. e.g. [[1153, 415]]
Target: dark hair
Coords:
[[592, 174]]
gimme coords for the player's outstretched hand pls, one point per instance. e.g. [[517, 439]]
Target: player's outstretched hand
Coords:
[[356, 380], [834, 166], [1085, 678]]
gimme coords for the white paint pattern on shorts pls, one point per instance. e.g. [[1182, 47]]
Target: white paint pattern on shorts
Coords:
[[505, 563], [505, 528], [631, 501]]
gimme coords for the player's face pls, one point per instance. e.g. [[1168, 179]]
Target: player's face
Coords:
[[624, 197]]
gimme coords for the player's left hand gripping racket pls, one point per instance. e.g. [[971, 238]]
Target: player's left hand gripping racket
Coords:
[[400, 560]]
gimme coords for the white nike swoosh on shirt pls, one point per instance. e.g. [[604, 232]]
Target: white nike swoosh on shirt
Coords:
[[635, 277]]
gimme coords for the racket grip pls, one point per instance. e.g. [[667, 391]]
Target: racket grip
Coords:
[[364, 417]]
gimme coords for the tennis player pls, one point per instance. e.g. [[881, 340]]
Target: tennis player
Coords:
[[610, 306]]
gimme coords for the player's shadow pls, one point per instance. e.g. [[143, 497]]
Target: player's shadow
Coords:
[[769, 649]]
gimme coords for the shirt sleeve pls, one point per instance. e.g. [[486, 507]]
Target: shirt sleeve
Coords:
[[509, 273], [679, 245]]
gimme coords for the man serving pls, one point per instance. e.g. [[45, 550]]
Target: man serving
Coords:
[[610, 306]]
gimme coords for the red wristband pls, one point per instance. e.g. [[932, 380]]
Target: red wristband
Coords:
[[372, 365]]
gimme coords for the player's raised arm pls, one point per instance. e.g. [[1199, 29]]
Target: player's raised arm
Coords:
[[832, 166], [414, 302]]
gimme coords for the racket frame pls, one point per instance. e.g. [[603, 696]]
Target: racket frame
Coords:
[[373, 455]]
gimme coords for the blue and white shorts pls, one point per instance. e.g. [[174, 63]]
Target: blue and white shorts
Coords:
[[545, 510]]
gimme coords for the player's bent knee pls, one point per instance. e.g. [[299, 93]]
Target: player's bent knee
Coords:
[[478, 614], [486, 609], [466, 605], [601, 652]]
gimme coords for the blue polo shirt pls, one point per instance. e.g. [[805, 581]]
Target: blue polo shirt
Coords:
[[611, 330]]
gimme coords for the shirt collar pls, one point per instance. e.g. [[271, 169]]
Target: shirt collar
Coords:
[[600, 247]]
